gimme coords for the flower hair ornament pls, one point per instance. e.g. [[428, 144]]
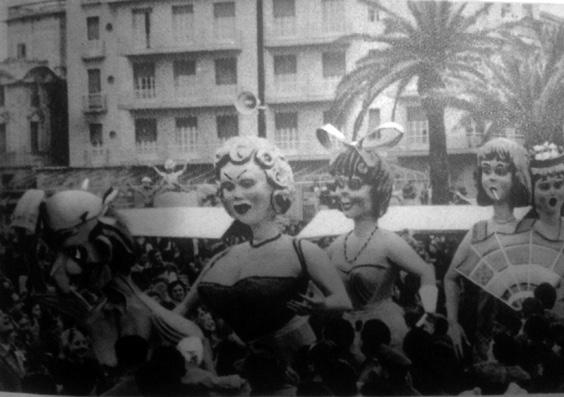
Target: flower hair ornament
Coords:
[[240, 150]]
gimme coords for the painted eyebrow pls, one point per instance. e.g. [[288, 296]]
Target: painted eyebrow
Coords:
[[237, 177], [227, 176]]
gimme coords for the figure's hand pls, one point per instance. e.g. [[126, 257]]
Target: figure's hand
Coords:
[[458, 336], [308, 304]]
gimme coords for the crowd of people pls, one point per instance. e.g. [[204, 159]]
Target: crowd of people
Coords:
[[43, 351], [85, 309]]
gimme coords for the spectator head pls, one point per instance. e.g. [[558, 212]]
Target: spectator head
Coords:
[[74, 344], [6, 324], [506, 350], [374, 334], [192, 350], [131, 351], [162, 374], [537, 328], [340, 332], [531, 306], [177, 290], [546, 294]]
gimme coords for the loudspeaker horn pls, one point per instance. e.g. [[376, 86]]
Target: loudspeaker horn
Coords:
[[246, 103]]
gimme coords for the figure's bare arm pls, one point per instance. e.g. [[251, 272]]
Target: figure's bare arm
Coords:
[[325, 276], [452, 294]]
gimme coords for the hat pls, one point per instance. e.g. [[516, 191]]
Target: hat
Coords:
[[72, 208], [546, 160]]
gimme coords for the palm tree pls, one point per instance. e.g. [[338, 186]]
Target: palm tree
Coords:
[[434, 43], [523, 90]]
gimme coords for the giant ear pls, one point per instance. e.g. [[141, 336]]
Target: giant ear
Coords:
[[109, 196], [281, 201]]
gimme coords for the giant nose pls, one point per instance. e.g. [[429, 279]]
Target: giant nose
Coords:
[[59, 273]]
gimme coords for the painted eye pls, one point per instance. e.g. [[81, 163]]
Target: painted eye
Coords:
[[544, 186], [361, 168], [558, 185], [355, 184]]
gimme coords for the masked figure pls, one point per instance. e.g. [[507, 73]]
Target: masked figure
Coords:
[[94, 255], [259, 287], [368, 257], [490, 251]]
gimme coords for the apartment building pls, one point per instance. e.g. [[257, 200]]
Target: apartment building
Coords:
[[151, 80], [32, 91]]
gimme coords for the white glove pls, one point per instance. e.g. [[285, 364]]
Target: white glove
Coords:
[[428, 294]]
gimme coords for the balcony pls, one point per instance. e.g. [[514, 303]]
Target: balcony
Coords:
[[199, 42], [297, 90], [93, 49], [306, 30], [94, 103], [37, 8], [26, 159], [199, 95]]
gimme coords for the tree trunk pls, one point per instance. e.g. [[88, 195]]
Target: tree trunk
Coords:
[[438, 159]]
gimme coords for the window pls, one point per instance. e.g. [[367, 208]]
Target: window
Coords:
[[21, 51], [226, 71], [373, 119], [145, 130], [327, 117], [93, 28], [285, 64], [224, 10], [183, 22], [94, 81], [96, 137], [184, 72], [227, 126], [142, 28], [283, 8], [416, 125], [373, 15], [186, 133], [34, 96], [286, 120], [144, 80], [332, 15], [286, 130], [2, 96], [3, 139], [334, 64], [184, 76], [34, 136], [505, 10], [224, 20]]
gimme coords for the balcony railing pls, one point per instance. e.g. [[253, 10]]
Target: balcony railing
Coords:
[[23, 159], [145, 88], [314, 89], [92, 49], [36, 8], [94, 103]]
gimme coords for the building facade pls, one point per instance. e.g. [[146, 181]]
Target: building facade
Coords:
[[33, 112], [152, 80]]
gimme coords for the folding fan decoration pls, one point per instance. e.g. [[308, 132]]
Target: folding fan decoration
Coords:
[[511, 266]]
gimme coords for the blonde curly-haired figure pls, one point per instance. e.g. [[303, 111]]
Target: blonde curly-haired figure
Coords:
[[259, 287]]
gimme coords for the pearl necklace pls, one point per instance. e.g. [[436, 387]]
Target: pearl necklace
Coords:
[[361, 250]]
